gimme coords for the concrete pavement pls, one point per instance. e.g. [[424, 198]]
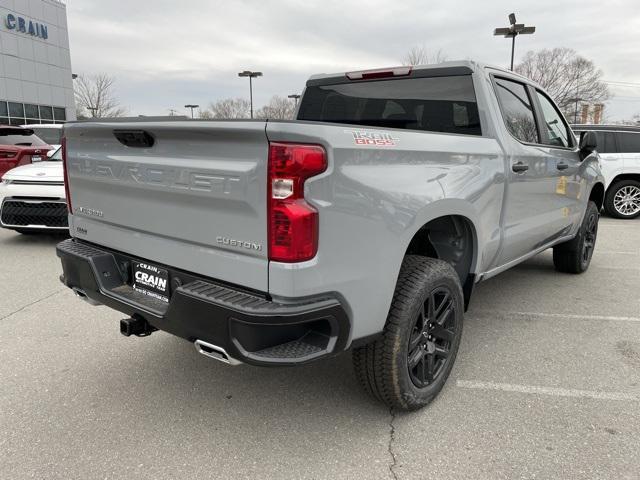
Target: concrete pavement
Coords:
[[546, 385]]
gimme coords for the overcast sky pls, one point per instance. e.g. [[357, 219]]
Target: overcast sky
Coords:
[[166, 53]]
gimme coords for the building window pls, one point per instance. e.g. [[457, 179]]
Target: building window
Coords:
[[46, 113], [16, 110], [59, 114], [31, 111], [13, 113]]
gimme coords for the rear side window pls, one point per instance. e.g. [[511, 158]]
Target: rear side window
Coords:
[[438, 104], [629, 142], [557, 131], [516, 110], [15, 136], [606, 141]]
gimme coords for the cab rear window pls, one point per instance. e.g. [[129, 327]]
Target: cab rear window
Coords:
[[437, 104]]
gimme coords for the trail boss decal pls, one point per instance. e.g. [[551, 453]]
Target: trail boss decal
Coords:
[[377, 139], [151, 281]]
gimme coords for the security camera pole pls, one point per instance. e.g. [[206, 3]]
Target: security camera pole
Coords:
[[512, 31], [191, 106], [251, 75], [295, 96]]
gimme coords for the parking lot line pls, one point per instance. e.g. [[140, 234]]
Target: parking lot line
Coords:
[[617, 252], [551, 391], [619, 225], [610, 267], [485, 313]]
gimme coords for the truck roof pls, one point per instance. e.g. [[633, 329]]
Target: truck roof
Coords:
[[455, 67], [617, 128]]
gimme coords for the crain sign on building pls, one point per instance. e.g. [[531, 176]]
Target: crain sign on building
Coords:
[[20, 24]]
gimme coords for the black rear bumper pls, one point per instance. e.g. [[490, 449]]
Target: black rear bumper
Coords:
[[249, 326]]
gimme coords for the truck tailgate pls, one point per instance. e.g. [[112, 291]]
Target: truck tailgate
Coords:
[[195, 199]]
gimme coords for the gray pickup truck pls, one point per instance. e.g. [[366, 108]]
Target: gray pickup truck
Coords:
[[364, 224]]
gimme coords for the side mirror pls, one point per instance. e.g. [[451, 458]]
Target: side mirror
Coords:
[[588, 143]]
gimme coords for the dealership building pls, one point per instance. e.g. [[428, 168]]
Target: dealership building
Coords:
[[36, 84]]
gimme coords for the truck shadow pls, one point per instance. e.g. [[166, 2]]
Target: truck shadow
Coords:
[[14, 239], [178, 375]]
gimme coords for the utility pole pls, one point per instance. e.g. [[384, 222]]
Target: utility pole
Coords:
[[575, 115], [251, 75], [512, 31], [295, 96], [191, 106]]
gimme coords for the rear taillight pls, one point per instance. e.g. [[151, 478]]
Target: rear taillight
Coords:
[[293, 223], [7, 154], [66, 175]]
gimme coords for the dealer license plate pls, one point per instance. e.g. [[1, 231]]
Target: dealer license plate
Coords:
[[151, 280]]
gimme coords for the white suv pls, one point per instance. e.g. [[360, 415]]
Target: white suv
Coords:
[[619, 149]]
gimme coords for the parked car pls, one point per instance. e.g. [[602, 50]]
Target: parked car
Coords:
[[20, 146], [619, 149], [32, 197], [50, 133], [363, 224]]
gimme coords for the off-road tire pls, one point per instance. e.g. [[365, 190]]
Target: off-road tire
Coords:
[[382, 366], [570, 256], [610, 198]]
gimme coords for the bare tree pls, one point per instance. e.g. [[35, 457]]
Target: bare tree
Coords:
[[278, 108], [568, 77], [95, 97], [227, 108], [421, 55]]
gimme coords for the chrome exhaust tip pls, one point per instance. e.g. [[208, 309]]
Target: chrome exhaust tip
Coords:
[[215, 352], [80, 294]]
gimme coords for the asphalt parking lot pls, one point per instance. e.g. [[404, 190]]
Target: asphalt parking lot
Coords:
[[546, 385]]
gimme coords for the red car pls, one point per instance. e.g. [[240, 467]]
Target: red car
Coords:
[[20, 146]]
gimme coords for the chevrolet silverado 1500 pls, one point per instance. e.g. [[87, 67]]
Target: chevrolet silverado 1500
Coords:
[[364, 224]]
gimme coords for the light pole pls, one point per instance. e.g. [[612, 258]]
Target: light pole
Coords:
[[251, 75], [191, 106], [511, 32], [295, 96]]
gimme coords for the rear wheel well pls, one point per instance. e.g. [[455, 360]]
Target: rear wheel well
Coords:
[[597, 195], [452, 239]]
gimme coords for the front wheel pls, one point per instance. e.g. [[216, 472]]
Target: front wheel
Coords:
[[623, 199], [574, 256], [409, 364]]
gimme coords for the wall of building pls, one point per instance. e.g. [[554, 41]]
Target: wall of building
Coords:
[[35, 71]]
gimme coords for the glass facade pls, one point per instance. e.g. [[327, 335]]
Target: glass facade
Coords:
[[13, 113]]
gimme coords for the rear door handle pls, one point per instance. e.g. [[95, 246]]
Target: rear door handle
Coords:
[[562, 166], [519, 167]]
